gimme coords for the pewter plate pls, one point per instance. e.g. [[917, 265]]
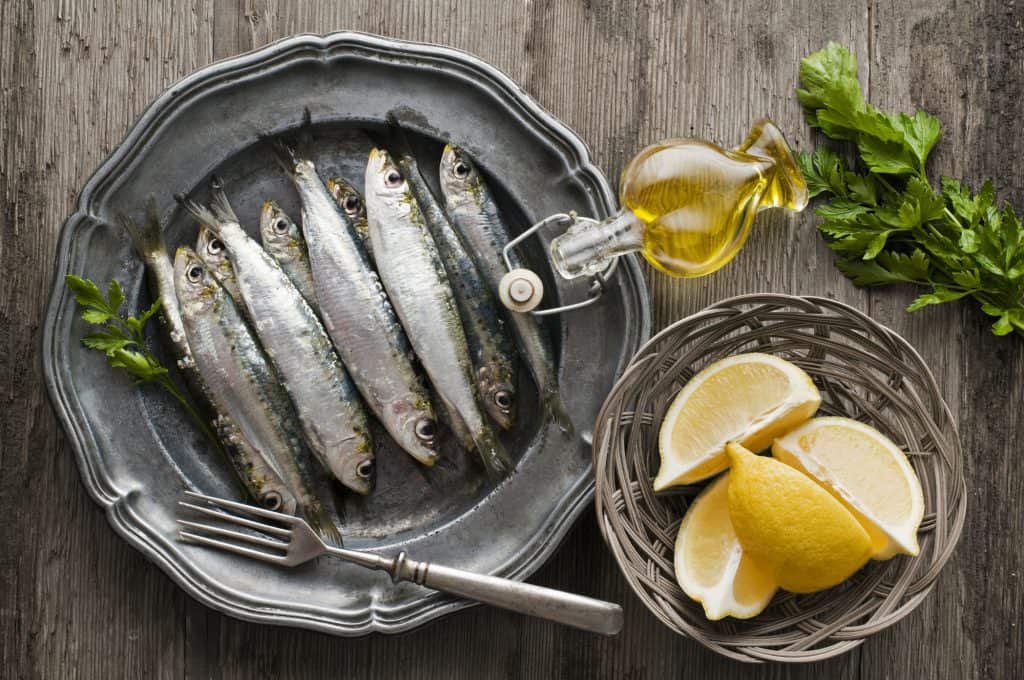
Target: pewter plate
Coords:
[[137, 451]]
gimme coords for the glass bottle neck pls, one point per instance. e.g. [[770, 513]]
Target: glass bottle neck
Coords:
[[586, 247], [786, 186]]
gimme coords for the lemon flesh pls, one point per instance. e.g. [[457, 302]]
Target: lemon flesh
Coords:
[[866, 472], [748, 398], [791, 526], [710, 564]]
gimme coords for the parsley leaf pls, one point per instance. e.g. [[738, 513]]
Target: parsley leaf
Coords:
[[921, 132], [122, 339], [884, 218], [86, 293]]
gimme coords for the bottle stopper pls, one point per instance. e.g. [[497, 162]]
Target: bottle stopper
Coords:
[[520, 290]]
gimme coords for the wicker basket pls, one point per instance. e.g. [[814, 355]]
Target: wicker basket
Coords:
[[864, 371]]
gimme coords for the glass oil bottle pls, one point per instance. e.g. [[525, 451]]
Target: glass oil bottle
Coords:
[[688, 205]]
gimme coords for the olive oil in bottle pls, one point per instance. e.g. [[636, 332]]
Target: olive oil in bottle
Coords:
[[688, 205]]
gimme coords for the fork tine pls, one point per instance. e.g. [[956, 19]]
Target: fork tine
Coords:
[[228, 517], [244, 507], [231, 547], [225, 506], [248, 538]]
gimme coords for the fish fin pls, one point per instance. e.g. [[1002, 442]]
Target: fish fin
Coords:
[[493, 454], [554, 408], [219, 203], [284, 154], [149, 237], [200, 213]]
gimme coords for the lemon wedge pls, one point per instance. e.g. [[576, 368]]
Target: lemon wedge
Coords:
[[791, 526], [748, 398], [711, 566], [866, 472]]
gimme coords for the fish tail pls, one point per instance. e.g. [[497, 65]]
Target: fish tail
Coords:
[[398, 143], [284, 154], [392, 137], [493, 454], [304, 140], [200, 213], [322, 522], [148, 238], [321, 507], [555, 409], [219, 203]]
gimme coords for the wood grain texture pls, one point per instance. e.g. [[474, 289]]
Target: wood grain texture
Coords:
[[77, 602], [965, 67]]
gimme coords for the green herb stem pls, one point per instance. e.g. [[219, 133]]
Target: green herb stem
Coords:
[[190, 408]]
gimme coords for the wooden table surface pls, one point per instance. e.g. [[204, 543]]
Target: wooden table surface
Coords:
[[77, 602]]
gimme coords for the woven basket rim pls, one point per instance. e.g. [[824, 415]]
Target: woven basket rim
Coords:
[[808, 639]]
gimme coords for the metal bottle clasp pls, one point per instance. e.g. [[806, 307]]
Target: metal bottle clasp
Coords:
[[521, 289]]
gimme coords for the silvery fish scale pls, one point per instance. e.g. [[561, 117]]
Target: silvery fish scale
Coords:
[[138, 451]]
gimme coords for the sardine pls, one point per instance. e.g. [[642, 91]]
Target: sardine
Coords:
[[415, 279], [283, 239], [490, 348], [351, 202], [244, 387], [332, 417], [259, 480], [359, 317], [148, 241], [474, 212]]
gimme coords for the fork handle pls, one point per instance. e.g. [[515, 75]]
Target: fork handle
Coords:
[[587, 613]]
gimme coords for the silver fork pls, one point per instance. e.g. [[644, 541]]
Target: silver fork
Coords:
[[296, 543]]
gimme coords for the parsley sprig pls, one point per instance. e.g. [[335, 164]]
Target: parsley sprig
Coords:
[[884, 219], [121, 338]]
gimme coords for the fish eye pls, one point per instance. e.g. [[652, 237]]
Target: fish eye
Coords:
[[425, 430], [194, 273], [215, 247], [365, 469], [280, 226], [503, 399], [351, 204], [272, 500], [392, 179], [460, 170]]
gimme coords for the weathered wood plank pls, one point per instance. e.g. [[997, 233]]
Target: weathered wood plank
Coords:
[[965, 68], [75, 601]]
